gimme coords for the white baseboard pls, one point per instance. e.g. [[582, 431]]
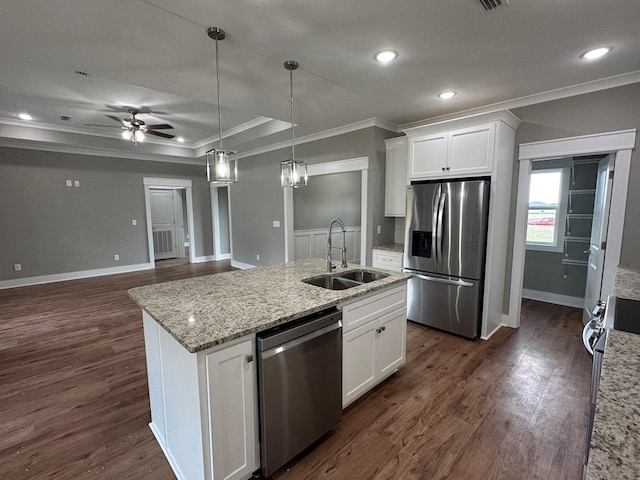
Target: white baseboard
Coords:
[[223, 256], [555, 298], [240, 265], [62, 277], [207, 258]]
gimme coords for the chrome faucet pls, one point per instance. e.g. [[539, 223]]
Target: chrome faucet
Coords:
[[330, 265]]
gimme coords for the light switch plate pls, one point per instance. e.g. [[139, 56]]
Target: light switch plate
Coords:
[[134, 222], [76, 183], [276, 223], [17, 267], [69, 183]]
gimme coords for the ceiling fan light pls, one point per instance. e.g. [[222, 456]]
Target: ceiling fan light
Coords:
[[127, 134], [25, 116], [138, 135]]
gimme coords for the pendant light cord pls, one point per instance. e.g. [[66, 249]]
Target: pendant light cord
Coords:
[[218, 88], [293, 136]]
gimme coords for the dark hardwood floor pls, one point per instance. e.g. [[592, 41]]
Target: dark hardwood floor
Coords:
[[74, 401]]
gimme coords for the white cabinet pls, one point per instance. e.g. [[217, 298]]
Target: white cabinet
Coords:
[[204, 406], [387, 260], [231, 387], [374, 341], [395, 180], [463, 152]]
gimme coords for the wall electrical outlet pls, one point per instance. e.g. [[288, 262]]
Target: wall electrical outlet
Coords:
[[134, 222], [379, 230], [116, 257], [258, 257], [76, 183], [69, 183], [17, 267]]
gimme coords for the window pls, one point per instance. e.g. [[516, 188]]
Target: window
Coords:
[[547, 206]]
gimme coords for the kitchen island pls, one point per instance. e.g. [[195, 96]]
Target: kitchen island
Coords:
[[200, 345]]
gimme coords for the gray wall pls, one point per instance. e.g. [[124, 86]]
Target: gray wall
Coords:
[[605, 111], [257, 199], [50, 228], [327, 197]]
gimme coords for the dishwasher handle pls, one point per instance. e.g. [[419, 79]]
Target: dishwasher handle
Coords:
[[294, 343]]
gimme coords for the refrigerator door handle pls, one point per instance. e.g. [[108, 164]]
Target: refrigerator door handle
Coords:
[[440, 231], [458, 283], [434, 224]]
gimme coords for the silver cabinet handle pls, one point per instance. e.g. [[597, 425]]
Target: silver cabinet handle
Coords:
[[249, 358]]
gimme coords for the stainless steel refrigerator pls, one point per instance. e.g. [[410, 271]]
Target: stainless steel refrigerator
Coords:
[[445, 249]]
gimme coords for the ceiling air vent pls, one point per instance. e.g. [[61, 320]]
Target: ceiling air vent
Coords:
[[82, 74], [490, 5]]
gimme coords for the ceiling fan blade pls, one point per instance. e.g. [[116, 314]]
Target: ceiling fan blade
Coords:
[[159, 126], [96, 125], [114, 118], [160, 134]]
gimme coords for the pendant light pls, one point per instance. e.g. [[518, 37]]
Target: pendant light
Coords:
[[293, 173], [222, 165]]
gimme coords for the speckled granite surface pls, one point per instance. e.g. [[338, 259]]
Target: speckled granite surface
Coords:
[[205, 311], [391, 247], [615, 444], [627, 283]]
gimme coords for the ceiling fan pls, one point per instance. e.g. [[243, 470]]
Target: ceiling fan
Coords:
[[134, 129]]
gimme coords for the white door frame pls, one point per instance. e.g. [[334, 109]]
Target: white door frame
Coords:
[[620, 145], [360, 164], [215, 222], [169, 184]]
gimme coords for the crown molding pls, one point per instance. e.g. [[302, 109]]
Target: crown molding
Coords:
[[557, 94], [352, 127], [52, 147], [256, 122]]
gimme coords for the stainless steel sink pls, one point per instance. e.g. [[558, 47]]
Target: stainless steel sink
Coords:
[[345, 280], [363, 276], [332, 283]]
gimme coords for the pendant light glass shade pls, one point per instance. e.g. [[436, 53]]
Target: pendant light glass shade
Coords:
[[293, 173], [222, 165]]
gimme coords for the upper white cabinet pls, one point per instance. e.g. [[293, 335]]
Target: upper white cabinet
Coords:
[[462, 152], [395, 180]]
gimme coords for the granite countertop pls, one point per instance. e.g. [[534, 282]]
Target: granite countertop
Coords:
[[627, 283], [615, 443], [391, 247], [209, 310]]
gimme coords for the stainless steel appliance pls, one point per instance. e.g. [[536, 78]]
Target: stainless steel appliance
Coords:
[[300, 385], [614, 314], [445, 249]]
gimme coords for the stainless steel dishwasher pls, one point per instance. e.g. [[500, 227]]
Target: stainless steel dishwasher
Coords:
[[300, 385]]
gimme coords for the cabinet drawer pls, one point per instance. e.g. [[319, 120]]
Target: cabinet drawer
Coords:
[[386, 259], [373, 307]]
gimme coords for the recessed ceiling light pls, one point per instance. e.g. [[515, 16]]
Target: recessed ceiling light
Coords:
[[446, 95], [596, 53], [385, 56], [180, 139], [25, 116]]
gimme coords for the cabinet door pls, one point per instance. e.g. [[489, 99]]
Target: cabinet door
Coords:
[[471, 150], [395, 181], [428, 156], [358, 361], [233, 412], [392, 335]]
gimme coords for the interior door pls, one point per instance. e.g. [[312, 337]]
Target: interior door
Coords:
[[163, 224], [597, 245]]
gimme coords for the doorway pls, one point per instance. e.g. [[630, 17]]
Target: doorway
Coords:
[[167, 225], [183, 196], [619, 145], [565, 202], [360, 165]]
